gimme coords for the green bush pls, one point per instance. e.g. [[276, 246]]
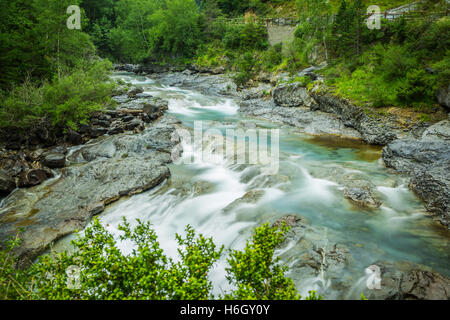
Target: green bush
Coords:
[[65, 101], [418, 87], [146, 273]]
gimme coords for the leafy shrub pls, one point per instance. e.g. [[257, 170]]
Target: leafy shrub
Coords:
[[417, 87], [146, 273], [65, 101]]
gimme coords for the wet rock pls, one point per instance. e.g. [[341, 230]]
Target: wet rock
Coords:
[[433, 186], [408, 281], [134, 91], [362, 197], [34, 177], [7, 184], [207, 84], [289, 220], [250, 197], [96, 131], [55, 160], [292, 95], [428, 163], [127, 118], [116, 130], [310, 122], [316, 261], [133, 124]]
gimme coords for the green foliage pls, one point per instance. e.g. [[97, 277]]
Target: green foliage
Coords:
[[12, 280], [256, 272], [35, 42], [105, 272], [246, 68], [65, 101]]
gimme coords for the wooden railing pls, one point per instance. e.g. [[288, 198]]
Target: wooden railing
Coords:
[[292, 21]]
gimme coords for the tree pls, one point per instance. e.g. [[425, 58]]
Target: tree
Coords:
[[315, 19]]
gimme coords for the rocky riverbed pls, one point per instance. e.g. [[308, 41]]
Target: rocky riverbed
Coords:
[[57, 189]]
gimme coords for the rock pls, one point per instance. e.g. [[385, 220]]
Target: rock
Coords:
[[133, 124], [250, 197], [409, 156], [292, 95], [289, 220], [438, 131], [7, 184], [315, 261], [428, 162], [116, 130], [443, 96], [433, 186], [96, 131], [134, 91], [74, 138], [373, 130], [408, 281], [362, 197], [127, 118], [311, 122], [33, 177], [55, 160]]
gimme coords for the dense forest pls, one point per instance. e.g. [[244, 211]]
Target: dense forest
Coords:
[[40, 57]]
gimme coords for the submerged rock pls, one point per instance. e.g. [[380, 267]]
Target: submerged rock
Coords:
[[428, 163], [362, 197]]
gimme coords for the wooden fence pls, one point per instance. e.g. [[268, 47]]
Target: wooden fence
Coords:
[[292, 21]]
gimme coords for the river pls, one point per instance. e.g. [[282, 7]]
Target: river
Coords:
[[197, 193]]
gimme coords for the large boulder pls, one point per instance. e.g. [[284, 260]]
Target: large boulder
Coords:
[[55, 160], [292, 95], [408, 281], [33, 177], [410, 156], [428, 162], [433, 186]]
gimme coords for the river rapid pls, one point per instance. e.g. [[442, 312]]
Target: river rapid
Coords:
[[307, 184]]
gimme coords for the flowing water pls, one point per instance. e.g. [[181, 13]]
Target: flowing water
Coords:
[[197, 193]]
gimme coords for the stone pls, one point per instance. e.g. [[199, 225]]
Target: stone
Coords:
[[409, 281], [33, 177], [362, 197], [55, 160], [7, 184], [292, 95]]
